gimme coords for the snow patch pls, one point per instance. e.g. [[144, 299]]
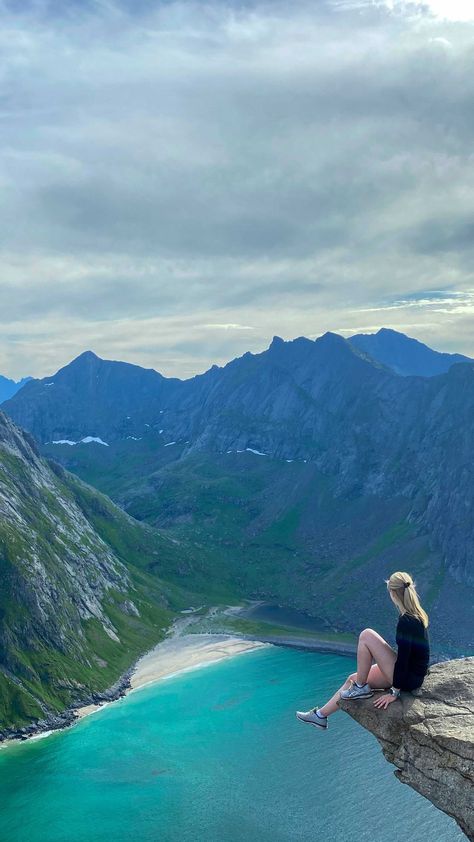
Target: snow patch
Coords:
[[63, 441], [258, 452], [48, 384], [135, 438], [170, 443], [89, 439]]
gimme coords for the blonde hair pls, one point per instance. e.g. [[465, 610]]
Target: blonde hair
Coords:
[[403, 590]]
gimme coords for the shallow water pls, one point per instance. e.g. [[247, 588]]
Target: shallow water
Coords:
[[215, 754]]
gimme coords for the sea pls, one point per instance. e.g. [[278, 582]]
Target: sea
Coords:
[[216, 754]]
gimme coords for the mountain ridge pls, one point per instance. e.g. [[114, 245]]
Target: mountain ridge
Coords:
[[8, 387], [310, 456], [405, 355]]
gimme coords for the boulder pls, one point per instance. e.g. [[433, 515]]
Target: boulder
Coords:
[[429, 736]]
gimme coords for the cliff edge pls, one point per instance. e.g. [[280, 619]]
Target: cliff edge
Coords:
[[429, 736]]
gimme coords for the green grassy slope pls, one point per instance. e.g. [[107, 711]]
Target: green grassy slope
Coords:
[[84, 587], [270, 529]]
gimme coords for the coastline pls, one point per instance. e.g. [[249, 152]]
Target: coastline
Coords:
[[178, 652], [313, 644]]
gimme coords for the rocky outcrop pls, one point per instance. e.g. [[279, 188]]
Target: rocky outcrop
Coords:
[[67, 717], [74, 611], [429, 736]]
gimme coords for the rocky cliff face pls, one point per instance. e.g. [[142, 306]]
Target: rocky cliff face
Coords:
[[429, 737], [73, 612]]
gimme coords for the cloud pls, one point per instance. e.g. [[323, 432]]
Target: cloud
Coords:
[[446, 10], [226, 327], [215, 166], [443, 41]]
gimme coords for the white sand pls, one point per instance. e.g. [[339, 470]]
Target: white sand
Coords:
[[179, 653], [189, 651]]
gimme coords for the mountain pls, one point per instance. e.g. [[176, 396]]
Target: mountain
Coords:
[[304, 474], [8, 388], [82, 592], [404, 355], [90, 397]]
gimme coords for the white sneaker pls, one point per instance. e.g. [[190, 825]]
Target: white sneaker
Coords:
[[356, 692], [312, 718]]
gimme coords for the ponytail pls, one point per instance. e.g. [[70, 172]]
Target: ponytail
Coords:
[[403, 590]]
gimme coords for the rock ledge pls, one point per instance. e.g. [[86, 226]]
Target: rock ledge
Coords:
[[429, 736]]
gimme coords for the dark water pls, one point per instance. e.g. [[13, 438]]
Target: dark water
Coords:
[[216, 755], [282, 616]]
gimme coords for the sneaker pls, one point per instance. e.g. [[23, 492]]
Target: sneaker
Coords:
[[312, 718], [356, 692]]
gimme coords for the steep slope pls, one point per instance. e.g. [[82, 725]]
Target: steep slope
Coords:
[[404, 355], [429, 737], [73, 613]]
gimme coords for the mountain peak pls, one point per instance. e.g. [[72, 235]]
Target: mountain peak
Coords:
[[332, 341], [86, 356], [403, 354], [83, 361], [277, 342], [330, 337]]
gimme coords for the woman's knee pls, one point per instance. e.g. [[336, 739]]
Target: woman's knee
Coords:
[[366, 634]]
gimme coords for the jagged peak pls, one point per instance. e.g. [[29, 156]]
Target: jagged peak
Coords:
[[334, 341], [86, 356], [276, 342], [330, 336]]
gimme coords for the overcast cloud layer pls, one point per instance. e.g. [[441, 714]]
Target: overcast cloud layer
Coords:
[[180, 181]]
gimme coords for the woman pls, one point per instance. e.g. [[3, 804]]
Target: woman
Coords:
[[402, 670]]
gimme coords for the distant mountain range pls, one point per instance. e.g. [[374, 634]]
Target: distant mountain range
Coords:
[[8, 388], [404, 355], [304, 474]]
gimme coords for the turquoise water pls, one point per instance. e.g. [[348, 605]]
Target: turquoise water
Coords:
[[215, 754]]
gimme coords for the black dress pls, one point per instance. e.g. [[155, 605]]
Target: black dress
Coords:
[[413, 656]]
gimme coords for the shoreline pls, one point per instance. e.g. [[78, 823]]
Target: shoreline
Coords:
[[178, 652]]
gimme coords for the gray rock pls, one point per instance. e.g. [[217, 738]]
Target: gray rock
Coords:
[[429, 737]]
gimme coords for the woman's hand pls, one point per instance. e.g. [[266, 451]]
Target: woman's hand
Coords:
[[384, 701]]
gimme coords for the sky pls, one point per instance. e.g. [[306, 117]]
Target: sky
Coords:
[[180, 181]]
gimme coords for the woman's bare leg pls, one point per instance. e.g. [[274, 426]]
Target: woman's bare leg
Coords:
[[380, 675], [372, 647], [376, 679], [332, 706]]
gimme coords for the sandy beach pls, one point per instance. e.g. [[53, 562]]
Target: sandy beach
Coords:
[[181, 652]]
